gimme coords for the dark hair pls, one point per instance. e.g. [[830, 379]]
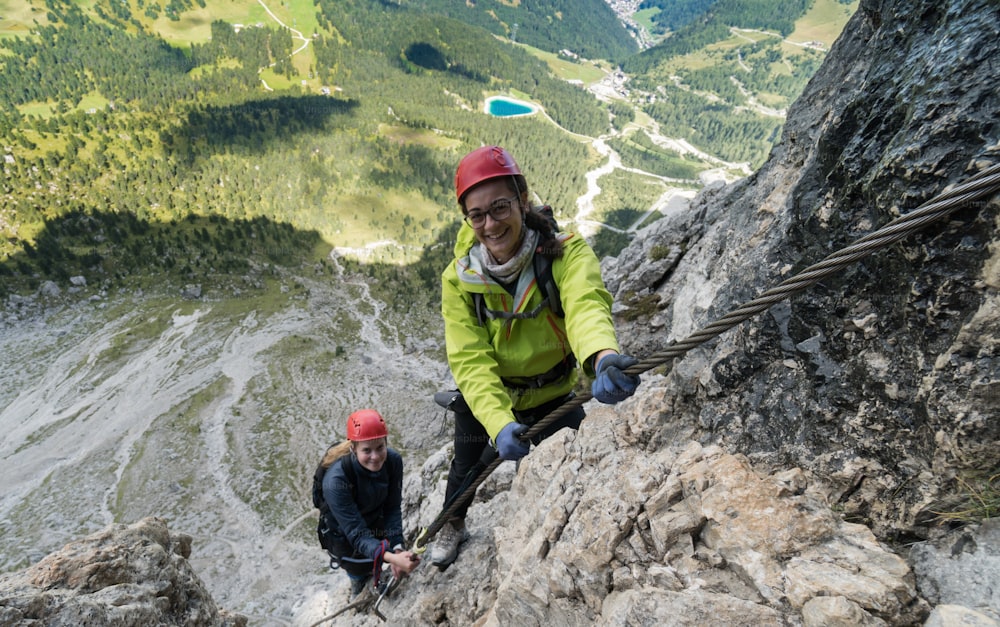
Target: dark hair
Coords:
[[539, 219], [549, 244]]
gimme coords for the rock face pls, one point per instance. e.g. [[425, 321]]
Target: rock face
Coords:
[[961, 571], [696, 534], [124, 575], [598, 529], [885, 378]]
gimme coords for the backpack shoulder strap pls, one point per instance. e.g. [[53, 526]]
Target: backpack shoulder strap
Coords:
[[317, 492], [479, 303], [547, 284], [348, 468], [543, 276]]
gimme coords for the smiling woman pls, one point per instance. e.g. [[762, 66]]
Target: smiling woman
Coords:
[[513, 346], [358, 489], [504, 107]]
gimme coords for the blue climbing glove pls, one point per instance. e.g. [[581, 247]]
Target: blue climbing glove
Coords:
[[508, 444], [612, 385]]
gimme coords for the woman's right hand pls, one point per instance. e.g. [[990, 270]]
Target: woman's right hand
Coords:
[[509, 444], [402, 563], [611, 385]]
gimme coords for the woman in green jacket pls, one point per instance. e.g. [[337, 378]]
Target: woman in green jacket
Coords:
[[513, 349]]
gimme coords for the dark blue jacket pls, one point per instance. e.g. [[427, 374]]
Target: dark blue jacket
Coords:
[[366, 513]]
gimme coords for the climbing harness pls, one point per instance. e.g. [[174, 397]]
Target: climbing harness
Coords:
[[979, 187]]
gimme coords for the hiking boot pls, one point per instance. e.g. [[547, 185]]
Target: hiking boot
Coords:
[[358, 585], [445, 549]]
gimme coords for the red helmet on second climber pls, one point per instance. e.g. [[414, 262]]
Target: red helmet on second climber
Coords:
[[482, 164], [366, 424]]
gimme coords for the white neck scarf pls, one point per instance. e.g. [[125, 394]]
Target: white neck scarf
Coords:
[[509, 271]]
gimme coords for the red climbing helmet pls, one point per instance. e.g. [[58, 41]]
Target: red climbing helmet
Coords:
[[483, 164], [366, 424]]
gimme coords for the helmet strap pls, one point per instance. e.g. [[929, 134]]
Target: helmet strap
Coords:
[[520, 202]]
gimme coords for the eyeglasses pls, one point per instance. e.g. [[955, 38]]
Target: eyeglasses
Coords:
[[499, 210]]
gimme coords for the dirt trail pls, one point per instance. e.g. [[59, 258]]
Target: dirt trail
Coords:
[[296, 34]]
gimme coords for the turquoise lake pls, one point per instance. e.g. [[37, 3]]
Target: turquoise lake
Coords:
[[501, 107]]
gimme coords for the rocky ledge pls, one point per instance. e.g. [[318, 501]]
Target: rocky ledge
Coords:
[[124, 575]]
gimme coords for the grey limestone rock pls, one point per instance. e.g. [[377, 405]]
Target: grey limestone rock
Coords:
[[123, 575]]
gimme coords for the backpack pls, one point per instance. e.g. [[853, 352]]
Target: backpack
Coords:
[[543, 280], [325, 527]]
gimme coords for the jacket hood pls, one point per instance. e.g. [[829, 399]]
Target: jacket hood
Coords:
[[464, 241]]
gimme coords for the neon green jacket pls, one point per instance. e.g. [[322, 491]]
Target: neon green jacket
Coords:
[[480, 356]]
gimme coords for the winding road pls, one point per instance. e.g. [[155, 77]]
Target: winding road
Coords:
[[296, 34]]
